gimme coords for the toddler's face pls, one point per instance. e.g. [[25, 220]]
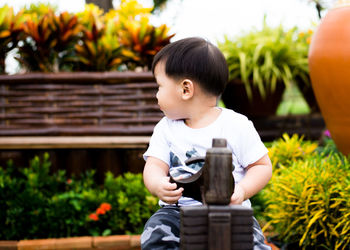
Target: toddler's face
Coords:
[[169, 94]]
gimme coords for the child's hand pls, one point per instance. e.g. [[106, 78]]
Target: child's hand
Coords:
[[167, 191], [238, 195]]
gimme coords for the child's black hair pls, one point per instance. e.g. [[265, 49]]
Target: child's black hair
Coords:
[[196, 59]]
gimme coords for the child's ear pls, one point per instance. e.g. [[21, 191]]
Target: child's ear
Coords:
[[187, 89]]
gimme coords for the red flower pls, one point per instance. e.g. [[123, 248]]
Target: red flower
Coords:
[[100, 211], [69, 181], [93, 217], [105, 206]]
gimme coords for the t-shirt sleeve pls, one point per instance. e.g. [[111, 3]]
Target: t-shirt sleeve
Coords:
[[250, 147], [158, 145]]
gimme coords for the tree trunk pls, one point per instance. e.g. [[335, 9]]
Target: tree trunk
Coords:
[[106, 5]]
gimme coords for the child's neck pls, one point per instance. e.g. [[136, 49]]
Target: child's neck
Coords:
[[203, 117]]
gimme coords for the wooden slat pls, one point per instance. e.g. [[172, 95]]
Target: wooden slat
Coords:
[[48, 122], [52, 142], [78, 130], [131, 120], [78, 77]]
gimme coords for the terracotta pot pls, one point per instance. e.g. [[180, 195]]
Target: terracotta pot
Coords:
[[235, 97], [329, 64]]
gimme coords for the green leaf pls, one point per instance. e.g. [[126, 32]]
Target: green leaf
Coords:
[[107, 232]]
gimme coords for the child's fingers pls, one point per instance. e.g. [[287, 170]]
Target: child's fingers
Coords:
[[168, 185], [168, 192], [172, 196], [173, 193], [178, 191]]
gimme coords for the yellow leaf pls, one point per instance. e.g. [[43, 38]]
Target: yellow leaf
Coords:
[[315, 217], [5, 33], [285, 188], [116, 61]]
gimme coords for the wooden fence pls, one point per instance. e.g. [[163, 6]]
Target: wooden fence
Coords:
[[81, 103], [97, 120]]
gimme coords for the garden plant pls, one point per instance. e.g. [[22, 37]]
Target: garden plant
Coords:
[[10, 28], [264, 58], [305, 205], [36, 203], [307, 200], [91, 40]]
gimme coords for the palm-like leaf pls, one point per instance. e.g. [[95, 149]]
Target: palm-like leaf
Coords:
[[10, 28], [143, 40], [86, 41], [265, 58], [48, 40], [99, 48]]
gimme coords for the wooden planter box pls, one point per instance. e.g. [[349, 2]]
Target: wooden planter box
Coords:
[[116, 242], [79, 103]]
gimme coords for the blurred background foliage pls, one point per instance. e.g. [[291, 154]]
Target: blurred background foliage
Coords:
[[36, 203], [305, 205], [91, 40]]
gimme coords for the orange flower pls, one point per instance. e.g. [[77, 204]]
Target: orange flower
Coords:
[[308, 40], [69, 181], [106, 206], [100, 211], [93, 217]]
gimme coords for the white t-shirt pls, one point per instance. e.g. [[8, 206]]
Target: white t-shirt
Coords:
[[174, 142]]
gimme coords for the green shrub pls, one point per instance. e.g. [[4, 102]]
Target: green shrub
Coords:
[[282, 152], [309, 200], [23, 195], [131, 205], [288, 149], [38, 204], [265, 58]]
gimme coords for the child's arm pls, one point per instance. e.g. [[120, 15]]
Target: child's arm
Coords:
[[156, 179], [257, 176]]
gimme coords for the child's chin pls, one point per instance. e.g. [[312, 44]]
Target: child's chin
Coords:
[[172, 116]]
